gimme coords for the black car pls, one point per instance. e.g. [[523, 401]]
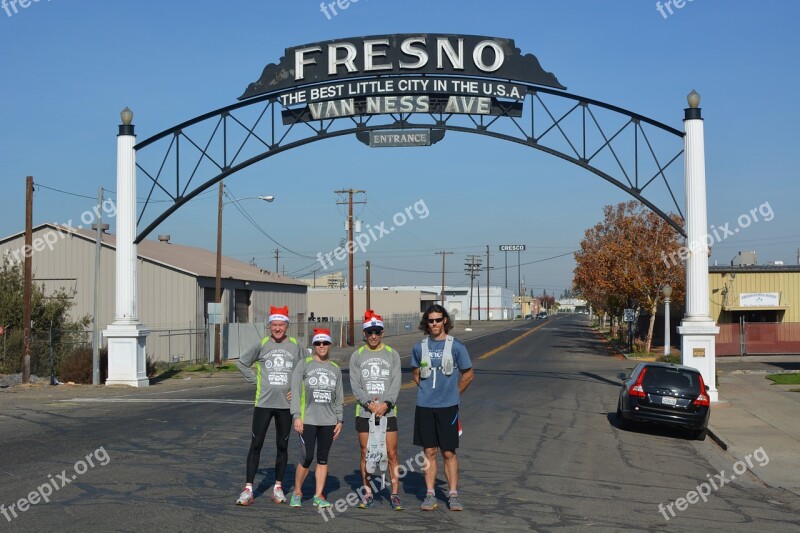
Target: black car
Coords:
[[541, 315], [664, 393]]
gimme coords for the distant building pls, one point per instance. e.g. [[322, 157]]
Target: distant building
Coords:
[[571, 305], [175, 283], [458, 301]]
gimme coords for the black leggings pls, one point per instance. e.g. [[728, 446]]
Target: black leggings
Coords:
[[283, 425], [323, 437]]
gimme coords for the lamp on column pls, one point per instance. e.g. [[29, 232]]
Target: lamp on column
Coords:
[[218, 284], [667, 292]]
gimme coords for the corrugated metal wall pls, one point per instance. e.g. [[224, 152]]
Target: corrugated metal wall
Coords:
[[787, 284]]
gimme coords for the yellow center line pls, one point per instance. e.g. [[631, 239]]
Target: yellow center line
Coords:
[[512, 341]]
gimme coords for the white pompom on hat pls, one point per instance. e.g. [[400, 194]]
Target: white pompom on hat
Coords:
[[372, 320]]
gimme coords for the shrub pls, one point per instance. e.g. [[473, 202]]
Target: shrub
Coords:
[[77, 367]]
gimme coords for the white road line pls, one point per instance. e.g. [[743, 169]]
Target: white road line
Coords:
[[158, 400]]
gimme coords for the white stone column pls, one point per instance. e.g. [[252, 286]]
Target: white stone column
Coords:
[[126, 336], [698, 330]]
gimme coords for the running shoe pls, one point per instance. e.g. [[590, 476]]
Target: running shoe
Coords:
[[430, 503], [277, 495], [395, 501], [245, 498], [454, 503], [296, 500], [366, 502], [322, 503]]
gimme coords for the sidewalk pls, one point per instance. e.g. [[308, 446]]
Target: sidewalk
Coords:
[[754, 413]]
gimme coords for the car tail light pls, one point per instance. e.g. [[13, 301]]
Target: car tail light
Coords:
[[636, 389], [703, 398]]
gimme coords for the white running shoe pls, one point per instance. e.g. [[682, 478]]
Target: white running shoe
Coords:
[[277, 495], [245, 498]]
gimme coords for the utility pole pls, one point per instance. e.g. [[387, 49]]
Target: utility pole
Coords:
[[471, 264], [369, 306], [443, 254], [350, 251], [277, 255], [97, 250], [218, 282], [27, 289], [488, 316], [519, 283]]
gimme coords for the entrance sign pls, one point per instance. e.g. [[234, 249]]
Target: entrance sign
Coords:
[[415, 54], [400, 138]]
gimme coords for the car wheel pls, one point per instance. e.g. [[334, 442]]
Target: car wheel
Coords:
[[699, 434]]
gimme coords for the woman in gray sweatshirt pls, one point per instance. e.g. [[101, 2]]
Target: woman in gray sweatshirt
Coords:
[[317, 408]]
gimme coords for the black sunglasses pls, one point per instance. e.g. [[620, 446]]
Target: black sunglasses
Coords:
[[373, 332], [322, 343], [435, 320]]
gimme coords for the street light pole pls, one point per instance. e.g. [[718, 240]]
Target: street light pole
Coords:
[[218, 285], [667, 291]]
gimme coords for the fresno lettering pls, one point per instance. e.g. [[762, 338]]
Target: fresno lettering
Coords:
[[415, 55]]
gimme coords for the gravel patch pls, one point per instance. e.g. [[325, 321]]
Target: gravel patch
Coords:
[[9, 380]]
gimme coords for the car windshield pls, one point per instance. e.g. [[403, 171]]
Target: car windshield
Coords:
[[674, 379]]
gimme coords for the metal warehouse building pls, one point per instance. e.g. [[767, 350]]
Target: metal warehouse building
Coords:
[[175, 285]]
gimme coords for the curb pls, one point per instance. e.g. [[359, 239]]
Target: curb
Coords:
[[717, 437]]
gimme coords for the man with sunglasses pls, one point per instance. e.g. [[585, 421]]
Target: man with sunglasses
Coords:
[[275, 358], [442, 370], [375, 376]]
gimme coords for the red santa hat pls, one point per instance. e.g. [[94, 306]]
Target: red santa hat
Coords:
[[372, 320], [279, 313], [321, 335]]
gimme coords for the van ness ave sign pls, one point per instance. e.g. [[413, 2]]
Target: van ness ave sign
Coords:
[[400, 54]]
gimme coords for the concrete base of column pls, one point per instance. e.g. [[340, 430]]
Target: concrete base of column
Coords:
[[698, 350], [127, 355]]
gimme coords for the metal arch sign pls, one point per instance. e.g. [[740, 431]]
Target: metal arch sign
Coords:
[[401, 54]]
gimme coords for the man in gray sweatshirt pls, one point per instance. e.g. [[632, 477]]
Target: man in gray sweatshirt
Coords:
[[375, 376], [275, 358]]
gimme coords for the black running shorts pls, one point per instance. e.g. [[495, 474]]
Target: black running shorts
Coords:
[[436, 427], [362, 424]]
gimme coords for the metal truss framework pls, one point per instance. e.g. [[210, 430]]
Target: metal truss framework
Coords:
[[609, 141]]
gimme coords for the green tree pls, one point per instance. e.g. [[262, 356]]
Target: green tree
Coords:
[[48, 310]]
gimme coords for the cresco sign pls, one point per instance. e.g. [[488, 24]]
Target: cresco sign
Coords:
[[401, 54]]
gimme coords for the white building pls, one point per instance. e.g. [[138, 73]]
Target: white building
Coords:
[[458, 300]]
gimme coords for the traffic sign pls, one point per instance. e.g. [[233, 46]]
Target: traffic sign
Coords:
[[628, 314], [512, 247]]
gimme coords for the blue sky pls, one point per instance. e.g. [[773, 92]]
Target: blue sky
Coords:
[[70, 66]]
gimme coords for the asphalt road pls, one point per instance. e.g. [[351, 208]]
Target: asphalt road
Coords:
[[540, 451]]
